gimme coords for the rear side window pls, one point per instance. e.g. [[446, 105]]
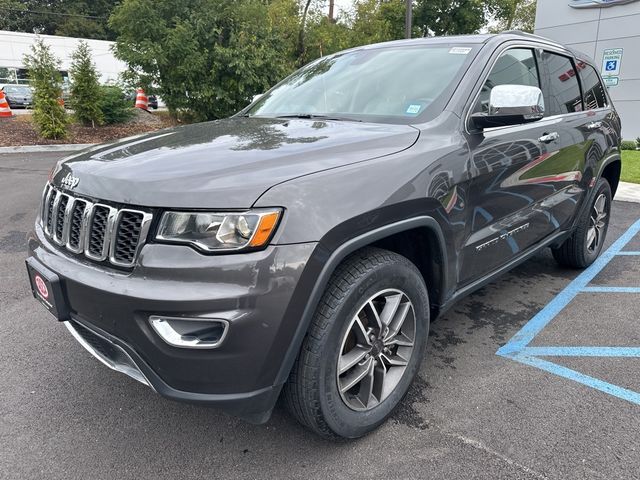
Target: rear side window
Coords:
[[514, 67], [563, 95], [594, 92]]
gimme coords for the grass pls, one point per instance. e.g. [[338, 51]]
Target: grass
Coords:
[[630, 166]]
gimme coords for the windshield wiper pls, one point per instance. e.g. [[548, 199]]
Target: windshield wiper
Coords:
[[313, 116]]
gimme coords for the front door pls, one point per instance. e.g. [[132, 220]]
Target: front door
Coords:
[[519, 173]]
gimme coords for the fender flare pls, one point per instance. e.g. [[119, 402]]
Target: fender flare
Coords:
[[615, 157], [336, 257]]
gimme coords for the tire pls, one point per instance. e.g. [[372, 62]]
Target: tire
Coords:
[[370, 279], [580, 250]]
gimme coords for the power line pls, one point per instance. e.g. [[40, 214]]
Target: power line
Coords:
[[58, 14]]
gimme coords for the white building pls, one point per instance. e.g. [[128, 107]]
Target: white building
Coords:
[[609, 32], [13, 46]]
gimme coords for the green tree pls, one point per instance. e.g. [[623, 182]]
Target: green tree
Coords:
[[376, 21], [514, 14], [48, 114], [208, 56], [449, 17], [74, 18], [85, 88], [114, 105]]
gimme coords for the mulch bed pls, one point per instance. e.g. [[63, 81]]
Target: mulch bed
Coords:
[[19, 130]]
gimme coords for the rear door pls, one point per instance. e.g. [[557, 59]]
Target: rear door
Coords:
[[521, 173]]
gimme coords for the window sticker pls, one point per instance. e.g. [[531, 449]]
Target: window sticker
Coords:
[[413, 109], [460, 50]]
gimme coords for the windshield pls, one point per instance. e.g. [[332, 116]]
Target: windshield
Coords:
[[17, 90], [392, 84]]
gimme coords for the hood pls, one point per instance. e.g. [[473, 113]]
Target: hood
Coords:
[[227, 163]]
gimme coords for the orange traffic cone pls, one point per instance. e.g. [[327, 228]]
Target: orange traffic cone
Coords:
[[141, 99], [5, 110]]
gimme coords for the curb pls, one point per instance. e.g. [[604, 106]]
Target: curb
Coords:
[[69, 147], [628, 192]]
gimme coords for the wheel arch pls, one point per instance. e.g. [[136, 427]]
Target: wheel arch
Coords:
[[393, 236], [611, 171]]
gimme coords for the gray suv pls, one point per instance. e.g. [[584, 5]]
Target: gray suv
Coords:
[[301, 247]]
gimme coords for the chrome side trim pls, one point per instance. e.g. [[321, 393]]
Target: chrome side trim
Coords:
[[162, 326], [129, 369]]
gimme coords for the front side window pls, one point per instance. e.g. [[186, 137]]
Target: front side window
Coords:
[[394, 84], [594, 92], [514, 67], [564, 94]]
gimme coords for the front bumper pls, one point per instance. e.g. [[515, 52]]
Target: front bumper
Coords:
[[110, 312]]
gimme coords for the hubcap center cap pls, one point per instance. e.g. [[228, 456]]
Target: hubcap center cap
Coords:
[[377, 348]]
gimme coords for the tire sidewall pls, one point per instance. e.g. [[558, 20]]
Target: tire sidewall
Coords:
[[601, 187], [339, 417]]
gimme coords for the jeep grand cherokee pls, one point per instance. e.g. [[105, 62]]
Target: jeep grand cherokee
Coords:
[[301, 247]]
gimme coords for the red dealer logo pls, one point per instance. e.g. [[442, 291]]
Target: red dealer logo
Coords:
[[42, 287]]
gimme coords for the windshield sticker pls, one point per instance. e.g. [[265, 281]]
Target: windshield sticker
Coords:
[[413, 109], [460, 50]]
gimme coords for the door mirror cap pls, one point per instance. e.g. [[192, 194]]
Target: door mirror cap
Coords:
[[511, 105]]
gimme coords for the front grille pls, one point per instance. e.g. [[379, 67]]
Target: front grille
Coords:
[[100, 232], [97, 237], [127, 233]]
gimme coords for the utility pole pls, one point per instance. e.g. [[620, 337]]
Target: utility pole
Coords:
[[331, 7], [408, 19]]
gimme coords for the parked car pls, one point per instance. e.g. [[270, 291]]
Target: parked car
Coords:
[[18, 96], [302, 247]]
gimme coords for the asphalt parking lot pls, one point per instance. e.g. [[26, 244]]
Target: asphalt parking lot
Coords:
[[471, 414]]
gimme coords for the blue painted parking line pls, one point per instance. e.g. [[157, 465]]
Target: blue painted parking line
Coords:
[[610, 290], [518, 348]]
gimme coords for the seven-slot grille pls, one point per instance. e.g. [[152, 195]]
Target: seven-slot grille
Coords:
[[100, 232]]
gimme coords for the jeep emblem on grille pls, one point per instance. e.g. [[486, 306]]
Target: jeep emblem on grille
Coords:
[[70, 181]]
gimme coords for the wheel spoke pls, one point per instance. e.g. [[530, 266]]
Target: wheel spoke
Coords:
[[591, 236], [394, 360], [352, 357], [390, 308], [365, 395], [401, 340], [355, 375], [379, 375], [600, 203], [398, 321], [375, 314], [360, 332]]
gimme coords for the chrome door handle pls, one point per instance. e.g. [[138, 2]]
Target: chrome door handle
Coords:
[[549, 137], [594, 126]]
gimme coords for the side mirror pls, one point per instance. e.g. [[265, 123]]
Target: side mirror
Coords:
[[257, 97], [511, 105]]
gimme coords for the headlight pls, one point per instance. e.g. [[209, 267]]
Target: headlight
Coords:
[[217, 231]]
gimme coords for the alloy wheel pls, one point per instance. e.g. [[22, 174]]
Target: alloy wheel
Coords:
[[376, 349], [597, 223]]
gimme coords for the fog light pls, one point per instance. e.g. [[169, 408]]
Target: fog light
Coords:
[[190, 332]]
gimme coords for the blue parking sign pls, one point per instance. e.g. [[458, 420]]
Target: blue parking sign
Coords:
[[611, 62]]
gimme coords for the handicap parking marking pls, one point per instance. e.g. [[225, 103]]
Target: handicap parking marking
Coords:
[[518, 348]]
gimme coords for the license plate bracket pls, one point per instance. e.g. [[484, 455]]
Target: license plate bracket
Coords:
[[47, 288]]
